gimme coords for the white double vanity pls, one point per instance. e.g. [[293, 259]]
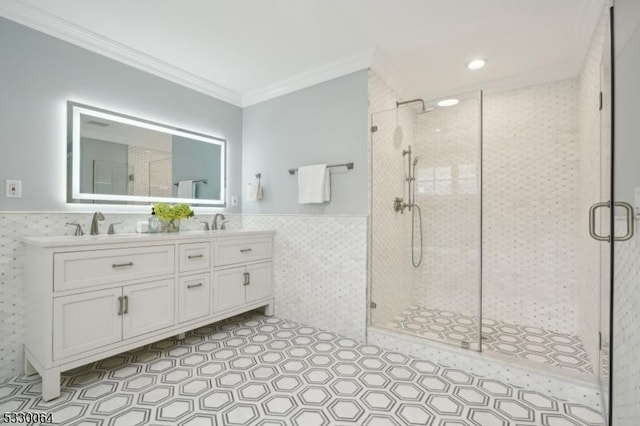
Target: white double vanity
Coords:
[[88, 298]]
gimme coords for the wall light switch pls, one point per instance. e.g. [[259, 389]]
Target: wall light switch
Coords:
[[13, 189], [234, 200]]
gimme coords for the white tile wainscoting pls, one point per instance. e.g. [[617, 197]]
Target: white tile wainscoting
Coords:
[[320, 269]]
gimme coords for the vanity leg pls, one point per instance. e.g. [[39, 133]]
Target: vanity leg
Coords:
[[29, 370], [50, 383], [180, 336], [268, 310]]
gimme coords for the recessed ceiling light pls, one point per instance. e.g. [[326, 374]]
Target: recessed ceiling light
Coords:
[[448, 102], [476, 64]]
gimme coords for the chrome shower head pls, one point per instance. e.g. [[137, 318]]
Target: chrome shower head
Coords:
[[415, 161]]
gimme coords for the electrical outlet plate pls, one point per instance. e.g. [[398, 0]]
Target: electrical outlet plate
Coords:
[[13, 188]]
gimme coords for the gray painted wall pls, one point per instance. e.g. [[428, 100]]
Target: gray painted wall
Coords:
[[326, 123], [40, 73], [195, 160]]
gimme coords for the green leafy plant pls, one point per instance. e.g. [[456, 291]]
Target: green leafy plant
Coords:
[[168, 213]]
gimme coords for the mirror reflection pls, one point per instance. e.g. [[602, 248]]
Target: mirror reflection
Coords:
[[118, 158]]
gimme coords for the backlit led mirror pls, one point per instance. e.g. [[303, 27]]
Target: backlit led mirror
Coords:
[[116, 158]]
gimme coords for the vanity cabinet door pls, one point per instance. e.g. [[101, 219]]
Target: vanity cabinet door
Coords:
[[193, 297], [86, 321], [228, 289], [147, 307], [260, 283]]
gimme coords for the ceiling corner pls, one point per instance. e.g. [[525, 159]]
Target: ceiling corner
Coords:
[[390, 74], [54, 26], [359, 61]]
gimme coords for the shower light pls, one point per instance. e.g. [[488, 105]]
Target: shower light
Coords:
[[448, 102], [476, 64]]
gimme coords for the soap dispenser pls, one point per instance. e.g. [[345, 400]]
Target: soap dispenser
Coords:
[[154, 223]]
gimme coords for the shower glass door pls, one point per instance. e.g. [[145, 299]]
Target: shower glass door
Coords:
[[426, 258]]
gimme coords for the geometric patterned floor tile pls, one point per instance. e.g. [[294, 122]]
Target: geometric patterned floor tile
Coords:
[[528, 343], [257, 370]]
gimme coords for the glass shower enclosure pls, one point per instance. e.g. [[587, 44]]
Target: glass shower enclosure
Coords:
[[426, 226]]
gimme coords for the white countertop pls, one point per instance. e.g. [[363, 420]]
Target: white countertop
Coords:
[[170, 237]]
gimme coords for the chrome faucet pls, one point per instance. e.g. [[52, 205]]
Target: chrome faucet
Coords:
[[214, 225], [94, 223], [78, 231]]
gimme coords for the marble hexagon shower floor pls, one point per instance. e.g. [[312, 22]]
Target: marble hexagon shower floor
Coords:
[[254, 370], [525, 342]]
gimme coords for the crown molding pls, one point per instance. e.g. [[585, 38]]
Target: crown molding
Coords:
[[357, 62], [52, 25]]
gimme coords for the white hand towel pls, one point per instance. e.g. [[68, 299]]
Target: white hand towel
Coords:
[[314, 184], [186, 189], [252, 192]]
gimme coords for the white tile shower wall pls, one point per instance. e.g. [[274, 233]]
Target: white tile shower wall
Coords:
[[448, 193], [530, 202], [14, 227], [626, 340], [390, 272], [588, 290], [320, 269], [476, 363], [151, 170]]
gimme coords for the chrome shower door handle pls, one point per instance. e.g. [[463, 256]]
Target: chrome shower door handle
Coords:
[[592, 221], [630, 221]]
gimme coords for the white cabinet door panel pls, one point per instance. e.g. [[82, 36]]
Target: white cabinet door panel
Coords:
[[86, 321], [148, 307], [260, 283], [228, 289]]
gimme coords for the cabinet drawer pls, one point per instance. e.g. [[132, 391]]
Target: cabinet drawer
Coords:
[[229, 252], [194, 256], [194, 297], [92, 268]]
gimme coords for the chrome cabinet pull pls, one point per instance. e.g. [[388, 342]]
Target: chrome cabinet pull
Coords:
[[630, 221], [194, 285], [120, 305], [121, 265], [245, 250], [592, 221], [126, 305], [246, 278], [195, 256]]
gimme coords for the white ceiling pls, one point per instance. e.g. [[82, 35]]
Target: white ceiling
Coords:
[[250, 50]]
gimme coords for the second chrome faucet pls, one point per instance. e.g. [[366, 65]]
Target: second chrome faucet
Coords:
[[94, 223], [214, 225]]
